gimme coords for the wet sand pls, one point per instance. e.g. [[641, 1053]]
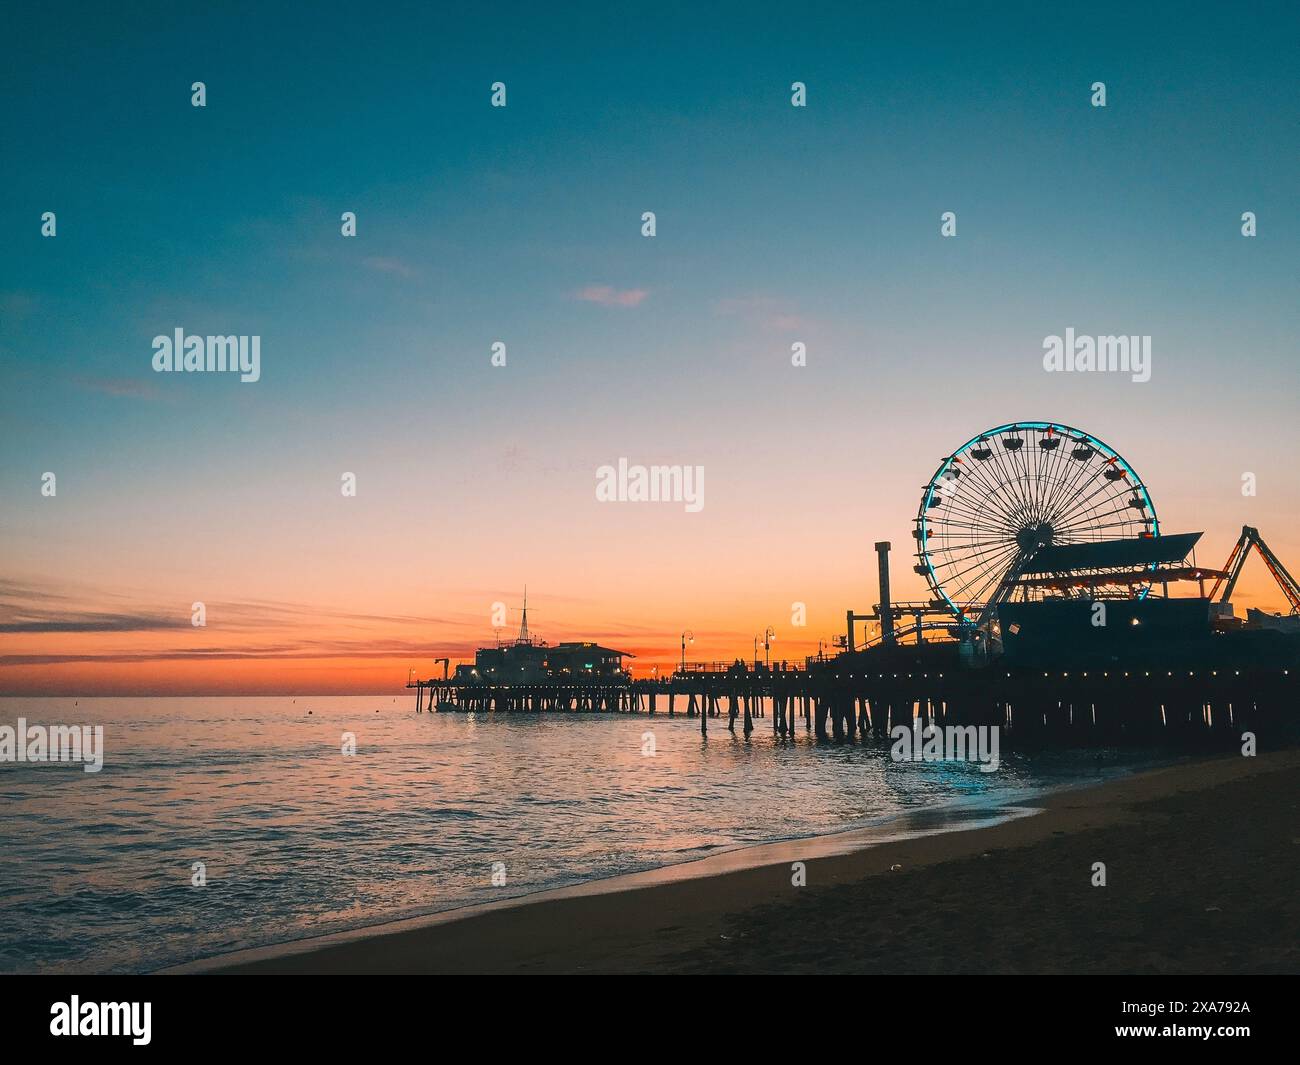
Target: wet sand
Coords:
[[1202, 868]]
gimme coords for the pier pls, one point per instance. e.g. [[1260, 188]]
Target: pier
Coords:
[[1031, 705]]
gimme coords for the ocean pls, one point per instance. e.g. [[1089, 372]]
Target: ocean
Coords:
[[100, 872]]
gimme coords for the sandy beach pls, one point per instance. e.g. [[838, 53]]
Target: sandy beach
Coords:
[[1201, 870]]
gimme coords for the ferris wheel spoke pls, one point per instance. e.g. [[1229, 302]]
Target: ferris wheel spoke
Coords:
[[1086, 507], [996, 484], [1032, 478], [1045, 471], [1077, 479], [1084, 498], [1111, 492], [978, 574], [959, 559], [1124, 523], [967, 534], [959, 563], [1081, 498], [1071, 482], [1100, 526], [1014, 485], [1020, 460], [1056, 470], [1035, 486], [991, 526], [1006, 463], [991, 576], [979, 544], [1094, 520], [978, 514], [995, 491]]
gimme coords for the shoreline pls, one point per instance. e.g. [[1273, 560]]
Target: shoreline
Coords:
[[671, 919], [898, 828]]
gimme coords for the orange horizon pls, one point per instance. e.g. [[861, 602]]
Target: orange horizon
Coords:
[[375, 656]]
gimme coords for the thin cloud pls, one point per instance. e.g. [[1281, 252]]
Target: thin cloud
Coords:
[[765, 311], [307, 652], [388, 265], [608, 296], [47, 607], [39, 607], [93, 622], [120, 387]]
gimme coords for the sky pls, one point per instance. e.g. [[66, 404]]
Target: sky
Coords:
[[522, 224]]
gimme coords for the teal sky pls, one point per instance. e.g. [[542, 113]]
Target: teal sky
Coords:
[[522, 224]]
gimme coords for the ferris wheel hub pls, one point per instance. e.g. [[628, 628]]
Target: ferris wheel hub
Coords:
[[1032, 537]]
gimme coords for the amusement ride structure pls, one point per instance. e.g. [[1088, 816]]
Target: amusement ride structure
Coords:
[[1044, 513]]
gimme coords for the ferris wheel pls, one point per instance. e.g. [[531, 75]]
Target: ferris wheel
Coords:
[[1004, 495]]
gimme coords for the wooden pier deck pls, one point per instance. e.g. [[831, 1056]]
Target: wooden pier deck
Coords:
[[1108, 706]]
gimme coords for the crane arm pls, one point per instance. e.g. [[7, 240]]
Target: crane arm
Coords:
[[1232, 570], [1233, 566], [1284, 579]]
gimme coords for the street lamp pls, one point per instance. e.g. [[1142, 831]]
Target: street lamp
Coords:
[[686, 635], [768, 636]]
